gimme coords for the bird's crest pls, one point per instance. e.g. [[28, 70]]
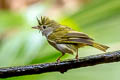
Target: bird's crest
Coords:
[[44, 20]]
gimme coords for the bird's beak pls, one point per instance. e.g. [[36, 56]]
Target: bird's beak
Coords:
[[35, 27]]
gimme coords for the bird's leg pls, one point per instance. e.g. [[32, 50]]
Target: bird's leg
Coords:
[[76, 57], [58, 59]]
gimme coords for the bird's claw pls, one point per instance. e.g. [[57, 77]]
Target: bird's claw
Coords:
[[58, 61], [77, 58]]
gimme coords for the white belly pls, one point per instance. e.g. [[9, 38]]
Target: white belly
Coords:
[[64, 48], [61, 46]]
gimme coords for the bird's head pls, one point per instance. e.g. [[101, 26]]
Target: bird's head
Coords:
[[46, 26]]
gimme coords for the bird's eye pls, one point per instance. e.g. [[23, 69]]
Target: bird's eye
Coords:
[[44, 27]]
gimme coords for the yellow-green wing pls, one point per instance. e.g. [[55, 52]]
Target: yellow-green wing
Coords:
[[67, 35], [74, 37], [76, 34], [74, 41]]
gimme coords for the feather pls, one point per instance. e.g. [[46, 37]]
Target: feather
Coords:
[[80, 40], [100, 46], [39, 22], [74, 41], [78, 35]]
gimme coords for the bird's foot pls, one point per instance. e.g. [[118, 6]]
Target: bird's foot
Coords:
[[77, 58], [58, 61]]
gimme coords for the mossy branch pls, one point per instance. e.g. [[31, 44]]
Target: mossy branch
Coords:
[[62, 67]]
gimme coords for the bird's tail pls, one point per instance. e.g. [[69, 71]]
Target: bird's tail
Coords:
[[100, 46]]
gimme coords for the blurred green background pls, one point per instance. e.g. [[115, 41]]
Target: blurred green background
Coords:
[[21, 45]]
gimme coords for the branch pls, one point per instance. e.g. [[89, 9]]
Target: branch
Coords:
[[108, 57]]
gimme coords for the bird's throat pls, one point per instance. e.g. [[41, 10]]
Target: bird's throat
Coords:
[[46, 33]]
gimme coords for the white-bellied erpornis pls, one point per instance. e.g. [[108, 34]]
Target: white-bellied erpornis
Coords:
[[65, 39]]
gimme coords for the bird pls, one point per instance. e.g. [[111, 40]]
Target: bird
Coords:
[[64, 38]]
